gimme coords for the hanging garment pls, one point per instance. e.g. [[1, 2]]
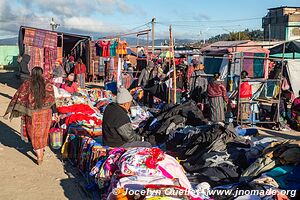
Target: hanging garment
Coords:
[[113, 48], [29, 37], [50, 40], [121, 49], [36, 57], [119, 72], [105, 45], [39, 38], [293, 70]]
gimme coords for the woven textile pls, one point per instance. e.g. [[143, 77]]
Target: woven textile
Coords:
[[29, 37], [39, 38], [36, 57], [50, 40], [38, 126]]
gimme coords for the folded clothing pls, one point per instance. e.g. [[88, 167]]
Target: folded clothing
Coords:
[[77, 108]]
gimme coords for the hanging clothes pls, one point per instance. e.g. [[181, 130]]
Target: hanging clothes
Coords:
[[105, 45], [121, 49], [113, 48]]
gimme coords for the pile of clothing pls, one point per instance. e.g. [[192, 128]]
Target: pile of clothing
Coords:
[[120, 169], [170, 118]]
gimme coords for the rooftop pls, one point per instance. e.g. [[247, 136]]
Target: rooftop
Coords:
[[281, 7]]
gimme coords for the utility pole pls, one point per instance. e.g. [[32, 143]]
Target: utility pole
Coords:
[[153, 21], [53, 24], [269, 32]]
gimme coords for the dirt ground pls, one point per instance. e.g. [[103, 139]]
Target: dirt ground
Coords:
[[21, 178]]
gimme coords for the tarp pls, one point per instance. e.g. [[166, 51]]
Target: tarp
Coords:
[[290, 47], [286, 55], [293, 69]]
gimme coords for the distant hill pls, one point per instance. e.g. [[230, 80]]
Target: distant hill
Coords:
[[130, 40], [9, 41]]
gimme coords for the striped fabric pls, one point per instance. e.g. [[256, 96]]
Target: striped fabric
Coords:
[[217, 109], [29, 37], [39, 38], [50, 40], [36, 56], [56, 138], [38, 126]]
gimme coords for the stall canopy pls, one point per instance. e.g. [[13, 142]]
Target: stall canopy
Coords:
[[291, 50]]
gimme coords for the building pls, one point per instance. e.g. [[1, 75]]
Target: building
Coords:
[[282, 23]]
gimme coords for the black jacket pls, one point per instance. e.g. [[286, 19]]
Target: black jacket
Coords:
[[116, 126]]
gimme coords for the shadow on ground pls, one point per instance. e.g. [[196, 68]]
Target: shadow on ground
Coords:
[[6, 95], [11, 138]]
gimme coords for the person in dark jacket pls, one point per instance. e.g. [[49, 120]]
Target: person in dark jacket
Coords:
[[198, 83], [216, 92], [117, 128], [23, 66], [144, 82]]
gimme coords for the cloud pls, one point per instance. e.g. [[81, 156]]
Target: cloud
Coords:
[[73, 14]]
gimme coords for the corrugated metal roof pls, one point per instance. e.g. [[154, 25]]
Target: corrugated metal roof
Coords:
[[229, 43]]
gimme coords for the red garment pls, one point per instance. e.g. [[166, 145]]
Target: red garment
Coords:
[[190, 72], [77, 108], [71, 89], [82, 117], [217, 89], [105, 45], [80, 69], [246, 90]]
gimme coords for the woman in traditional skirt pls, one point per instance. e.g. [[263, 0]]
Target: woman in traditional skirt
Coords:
[[33, 101], [218, 99], [79, 71]]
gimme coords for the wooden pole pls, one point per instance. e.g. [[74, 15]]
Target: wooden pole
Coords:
[[172, 58], [153, 21]]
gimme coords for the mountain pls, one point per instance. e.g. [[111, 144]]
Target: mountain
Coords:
[[130, 40], [9, 41]]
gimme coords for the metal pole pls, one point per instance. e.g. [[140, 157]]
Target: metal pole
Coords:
[[280, 83], [269, 33]]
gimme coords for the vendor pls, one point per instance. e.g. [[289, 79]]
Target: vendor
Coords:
[[296, 110], [58, 73], [245, 96], [117, 128], [79, 71], [70, 86]]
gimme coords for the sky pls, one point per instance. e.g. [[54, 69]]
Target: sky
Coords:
[[190, 19]]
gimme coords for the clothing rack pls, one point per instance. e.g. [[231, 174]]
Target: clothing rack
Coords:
[[270, 101]]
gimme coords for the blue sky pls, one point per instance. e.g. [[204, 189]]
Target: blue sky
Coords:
[[194, 19]]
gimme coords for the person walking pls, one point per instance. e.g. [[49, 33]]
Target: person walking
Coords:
[[33, 101]]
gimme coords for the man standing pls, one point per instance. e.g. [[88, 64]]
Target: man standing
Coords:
[[198, 83], [117, 129], [144, 80]]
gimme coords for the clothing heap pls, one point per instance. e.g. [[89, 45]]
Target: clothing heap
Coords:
[[42, 48], [218, 156], [170, 118], [140, 168]]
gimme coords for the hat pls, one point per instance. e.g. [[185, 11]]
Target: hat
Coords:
[[123, 96], [71, 58], [58, 61]]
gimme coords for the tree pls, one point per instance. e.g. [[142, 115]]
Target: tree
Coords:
[[242, 35]]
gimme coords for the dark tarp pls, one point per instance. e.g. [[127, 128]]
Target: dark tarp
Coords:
[[290, 47]]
